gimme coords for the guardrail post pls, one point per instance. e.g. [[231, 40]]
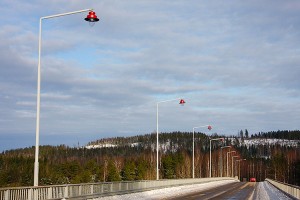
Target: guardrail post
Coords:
[[6, 194], [30, 193], [66, 192], [49, 196], [34, 193]]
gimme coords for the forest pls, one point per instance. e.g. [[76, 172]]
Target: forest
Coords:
[[134, 158]]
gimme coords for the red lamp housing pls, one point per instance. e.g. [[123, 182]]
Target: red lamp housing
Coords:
[[182, 102], [91, 17]]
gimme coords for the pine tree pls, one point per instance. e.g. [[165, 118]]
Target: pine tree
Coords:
[[128, 173], [113, 174], [246, 133], [141, 169], [168, 167]]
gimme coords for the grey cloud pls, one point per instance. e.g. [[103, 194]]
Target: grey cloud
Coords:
[[236, 64]]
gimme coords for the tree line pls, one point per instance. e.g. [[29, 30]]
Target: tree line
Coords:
[[128, 162]]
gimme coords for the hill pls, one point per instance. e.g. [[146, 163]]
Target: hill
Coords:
[[134, 158]]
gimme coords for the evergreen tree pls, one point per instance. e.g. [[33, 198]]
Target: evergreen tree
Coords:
[[141, 169], [128, 173], [246, 133], [113, 174], [168, 167], [242, 135]]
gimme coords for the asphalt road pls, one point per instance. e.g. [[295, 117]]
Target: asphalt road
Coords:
[[232, 191]]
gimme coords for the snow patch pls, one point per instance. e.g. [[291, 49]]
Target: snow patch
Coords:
[[267, 191], [96, 146]]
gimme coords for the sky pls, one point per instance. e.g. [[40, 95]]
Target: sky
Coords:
[[235, 63]]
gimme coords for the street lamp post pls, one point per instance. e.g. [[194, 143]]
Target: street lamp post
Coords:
[[232, 158], [215, 139], [222, 158], [240, 166], [209, 128], [227, 162], [91, 17], [181, 102]]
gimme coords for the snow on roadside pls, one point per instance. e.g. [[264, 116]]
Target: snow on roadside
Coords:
[[167, 192], [266, 191], [260, 192]]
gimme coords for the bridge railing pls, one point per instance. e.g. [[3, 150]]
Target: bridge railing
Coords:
[[82, 191], [292, 190]]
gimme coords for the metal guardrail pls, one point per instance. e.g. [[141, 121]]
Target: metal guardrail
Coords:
[[92, 190], [289, 189]]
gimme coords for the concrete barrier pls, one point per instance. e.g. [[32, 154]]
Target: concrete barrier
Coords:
[[292, 190]]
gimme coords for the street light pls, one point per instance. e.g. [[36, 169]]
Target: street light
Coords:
[[209, 127], [227, 162], [91, 17], [181, 102], [240, 166], [222, 158], [232, 158], [215, 139]]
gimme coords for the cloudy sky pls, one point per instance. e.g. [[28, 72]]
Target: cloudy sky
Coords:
[[235, 63]]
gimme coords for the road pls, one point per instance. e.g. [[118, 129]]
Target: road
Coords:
[[227, 189], [237, 190]]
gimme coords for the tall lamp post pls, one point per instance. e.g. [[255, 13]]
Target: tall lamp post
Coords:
[[181, 102], [232, 158], [240, 167], [227, 162], [222, 158], [215, 139], [91, 17], [209, 128]]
